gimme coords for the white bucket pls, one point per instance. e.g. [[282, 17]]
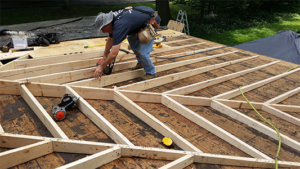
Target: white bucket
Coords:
[[20, 43]]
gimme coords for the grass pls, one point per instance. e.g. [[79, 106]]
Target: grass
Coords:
[[239, 36]]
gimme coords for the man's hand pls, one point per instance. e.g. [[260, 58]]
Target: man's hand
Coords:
[[98, 72]]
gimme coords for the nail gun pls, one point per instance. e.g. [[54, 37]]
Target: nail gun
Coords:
[[59, 112]]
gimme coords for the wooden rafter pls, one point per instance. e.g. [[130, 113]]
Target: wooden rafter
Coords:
[[236, 92], [140, 86], [24, 63], [1, 129], [98, 119], [23, 154], [200, 85], [209, 126], [59, 73], [153, 122], [254, 124], [115, 78], [41, 113], [281, 114], [95, 160], [284, 96], [180, 163], [87, 147]]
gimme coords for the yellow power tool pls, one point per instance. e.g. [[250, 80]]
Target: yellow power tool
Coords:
[[157, 41]]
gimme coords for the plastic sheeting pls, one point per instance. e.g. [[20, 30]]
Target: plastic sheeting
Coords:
[[285, 45]]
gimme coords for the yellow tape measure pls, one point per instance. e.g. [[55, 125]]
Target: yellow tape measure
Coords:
[[167, 141]]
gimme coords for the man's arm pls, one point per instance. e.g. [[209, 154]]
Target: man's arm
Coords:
[[110, 57], [108, 46]]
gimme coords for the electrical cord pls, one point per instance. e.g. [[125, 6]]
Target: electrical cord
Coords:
[[293, 68], [127, 52], [279, 137]]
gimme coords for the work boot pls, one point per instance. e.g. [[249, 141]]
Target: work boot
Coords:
[[148, 76], [137, 66]]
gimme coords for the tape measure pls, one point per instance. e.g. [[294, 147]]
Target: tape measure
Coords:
[[167, 141]]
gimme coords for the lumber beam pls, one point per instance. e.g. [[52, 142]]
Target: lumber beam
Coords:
[[190, 100], [290, 108], [144, 85], [8, 140], [73, 75], [94, 93], [176, 41], [41, 113], [148, 97], [46, 69], [209, 126], [9, 87], [200, 85], [66, 72], [281, 114], [204, 101], [57, 59], [237, 104], [48, 90], [236, 92], [254, 124], [59, 145], [53, 90], [11, 65], [64, 77], [177, 47], [284, 96], [80, 56], [88, 147], [153, 122], [120, 77], [1, 129], [95, 160], [167, 154], [242, 161], [98, 119], [180, 163], [20, 155]]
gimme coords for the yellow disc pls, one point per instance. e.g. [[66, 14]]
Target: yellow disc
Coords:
[[167, 141]]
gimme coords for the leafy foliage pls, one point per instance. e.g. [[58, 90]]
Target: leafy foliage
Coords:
[[238, 36], [216, 24]]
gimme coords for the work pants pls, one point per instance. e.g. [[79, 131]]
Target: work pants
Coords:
[[142, 52]]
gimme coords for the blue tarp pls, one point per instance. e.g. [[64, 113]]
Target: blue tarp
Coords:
[[284, 45]]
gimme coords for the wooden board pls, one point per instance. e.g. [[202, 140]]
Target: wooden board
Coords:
[[176, 26]]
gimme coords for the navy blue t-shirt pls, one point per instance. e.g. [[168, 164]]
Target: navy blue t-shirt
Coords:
[[130, 22]]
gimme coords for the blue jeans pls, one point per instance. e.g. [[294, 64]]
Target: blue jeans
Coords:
[[142, 52]]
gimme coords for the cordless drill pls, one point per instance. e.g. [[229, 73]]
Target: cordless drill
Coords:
[[108, 69], [59, 112]]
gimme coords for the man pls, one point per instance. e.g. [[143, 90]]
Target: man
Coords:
[[119, 24]]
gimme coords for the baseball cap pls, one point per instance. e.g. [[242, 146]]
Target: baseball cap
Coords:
[[103, 19]]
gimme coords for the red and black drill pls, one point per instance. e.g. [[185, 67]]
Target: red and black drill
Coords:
[[59, 112], [109, 68]]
